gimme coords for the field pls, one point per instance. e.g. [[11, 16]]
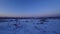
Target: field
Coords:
[[30, 26]]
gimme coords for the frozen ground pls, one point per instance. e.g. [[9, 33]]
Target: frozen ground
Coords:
[[31, 26]]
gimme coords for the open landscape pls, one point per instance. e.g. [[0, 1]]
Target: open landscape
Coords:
[[30, 26], [29, 16]]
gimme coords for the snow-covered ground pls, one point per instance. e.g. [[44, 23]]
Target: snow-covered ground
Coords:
[[30, 26]]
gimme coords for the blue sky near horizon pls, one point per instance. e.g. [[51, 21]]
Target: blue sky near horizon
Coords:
[[29, 7]]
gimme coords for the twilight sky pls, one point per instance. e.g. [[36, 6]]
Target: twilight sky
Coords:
[[29, 7]]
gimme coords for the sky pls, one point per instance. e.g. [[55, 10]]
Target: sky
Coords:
[[29, 7]]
